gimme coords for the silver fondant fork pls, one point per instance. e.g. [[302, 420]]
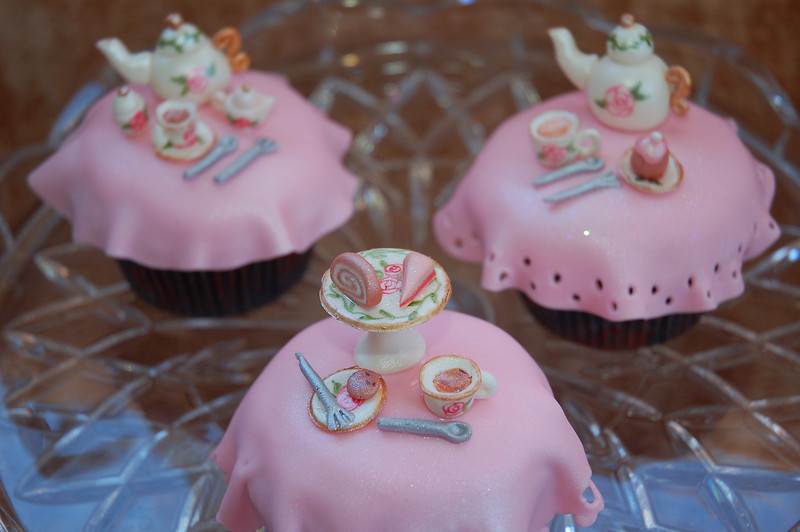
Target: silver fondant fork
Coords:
[[585, 165], [338, 417], [225, 145], [262, 146], [607, 179]]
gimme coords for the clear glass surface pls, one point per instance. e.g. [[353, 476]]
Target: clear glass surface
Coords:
[[110, 408]]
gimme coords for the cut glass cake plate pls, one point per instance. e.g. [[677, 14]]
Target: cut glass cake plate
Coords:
[[110, 408]]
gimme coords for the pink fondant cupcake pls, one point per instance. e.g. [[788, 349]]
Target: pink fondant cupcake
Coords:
[[627, 245], [495, 453], [209, 186]]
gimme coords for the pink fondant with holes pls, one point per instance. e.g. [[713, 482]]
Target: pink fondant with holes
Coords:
[[617, 253]]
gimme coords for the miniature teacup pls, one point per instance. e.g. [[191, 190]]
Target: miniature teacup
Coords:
[[176, 123], [451, 383], [558, 141]]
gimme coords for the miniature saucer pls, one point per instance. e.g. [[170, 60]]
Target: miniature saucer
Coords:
[[363, 411], [672, 177], [164, 148]]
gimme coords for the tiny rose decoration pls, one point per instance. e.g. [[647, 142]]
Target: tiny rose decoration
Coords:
[[390, 285], [454, 409], [620, 100]]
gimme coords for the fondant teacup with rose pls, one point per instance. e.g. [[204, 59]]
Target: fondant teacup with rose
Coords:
[[559, 140], [451, 383], [176, 121]]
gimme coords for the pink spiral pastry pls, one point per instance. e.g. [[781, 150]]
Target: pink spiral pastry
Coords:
[[354, 277]]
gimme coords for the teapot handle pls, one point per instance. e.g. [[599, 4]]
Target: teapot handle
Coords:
[[229, 41], [680, 83]]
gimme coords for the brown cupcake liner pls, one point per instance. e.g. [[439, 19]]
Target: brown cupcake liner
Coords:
[[215, 293], [594, 331]]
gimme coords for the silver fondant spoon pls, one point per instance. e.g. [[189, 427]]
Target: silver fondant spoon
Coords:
[[589, 164], [607, 179], [454, 431]]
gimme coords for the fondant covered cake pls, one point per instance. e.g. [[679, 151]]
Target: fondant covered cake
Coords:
[[201, 171], [468, 437], [643, 226]]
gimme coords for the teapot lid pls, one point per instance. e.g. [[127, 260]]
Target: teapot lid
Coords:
[[179, 37], [629, 42]]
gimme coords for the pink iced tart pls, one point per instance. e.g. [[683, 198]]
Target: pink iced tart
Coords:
[[634, 248], [122, 197], [522, 464]]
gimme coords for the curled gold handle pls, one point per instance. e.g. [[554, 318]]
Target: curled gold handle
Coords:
[[680, 83], [229, 41]]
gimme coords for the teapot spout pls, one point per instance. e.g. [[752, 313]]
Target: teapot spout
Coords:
[[136, 68], [576, 65]]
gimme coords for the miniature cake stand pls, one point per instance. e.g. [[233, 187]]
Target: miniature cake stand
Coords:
[[390, 344]]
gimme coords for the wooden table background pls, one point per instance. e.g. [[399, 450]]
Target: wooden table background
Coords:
[[47, 46]]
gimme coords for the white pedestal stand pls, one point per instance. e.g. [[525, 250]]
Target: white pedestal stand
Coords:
[[390, 352]]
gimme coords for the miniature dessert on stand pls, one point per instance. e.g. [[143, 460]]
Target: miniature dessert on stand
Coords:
[[624, 245], [302, 453], [401, 289], [208, 182]]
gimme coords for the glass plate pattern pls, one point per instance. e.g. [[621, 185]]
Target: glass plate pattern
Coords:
[[110, 408]]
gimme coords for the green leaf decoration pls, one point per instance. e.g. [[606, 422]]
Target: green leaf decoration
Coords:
[[600, 103], [413, 315], [380, 274], [212, 69], [336, 387], [643, 38], [383, 263], [377, 253], [636, 92]]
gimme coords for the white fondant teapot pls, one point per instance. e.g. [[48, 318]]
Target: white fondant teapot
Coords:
[[185, 64], [630, 88]]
